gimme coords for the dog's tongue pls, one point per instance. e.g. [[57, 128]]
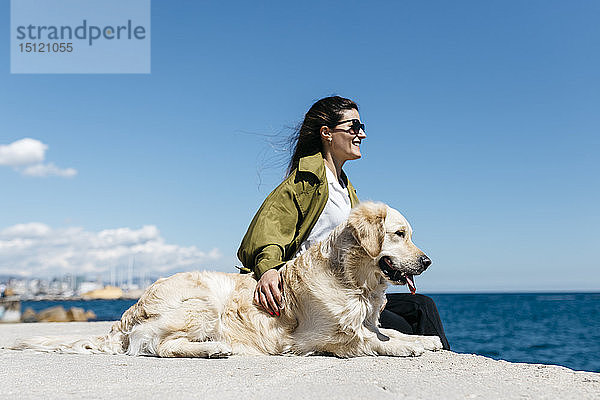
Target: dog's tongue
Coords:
[[411, 284]]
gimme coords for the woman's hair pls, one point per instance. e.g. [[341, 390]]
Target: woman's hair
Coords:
[[306, 140]]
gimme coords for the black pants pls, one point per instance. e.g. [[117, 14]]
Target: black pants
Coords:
[[414, 315]]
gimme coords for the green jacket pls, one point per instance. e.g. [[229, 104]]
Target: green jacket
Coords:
[[287, 216]]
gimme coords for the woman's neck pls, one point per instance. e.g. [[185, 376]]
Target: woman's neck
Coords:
[[334, 165]]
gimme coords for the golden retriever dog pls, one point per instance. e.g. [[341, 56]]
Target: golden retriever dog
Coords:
[[333, 294]]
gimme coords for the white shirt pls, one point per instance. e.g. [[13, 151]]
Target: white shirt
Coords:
[[335, 212]]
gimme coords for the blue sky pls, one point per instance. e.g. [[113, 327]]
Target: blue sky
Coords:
[[482, 129]]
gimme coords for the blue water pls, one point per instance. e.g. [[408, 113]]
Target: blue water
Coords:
[[105, 310], [547, 328]]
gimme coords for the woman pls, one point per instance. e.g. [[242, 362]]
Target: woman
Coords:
[[316, 197]]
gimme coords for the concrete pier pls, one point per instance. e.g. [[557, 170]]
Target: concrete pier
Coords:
[[439, 375]]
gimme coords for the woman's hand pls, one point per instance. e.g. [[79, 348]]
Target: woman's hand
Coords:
[[268, 292]]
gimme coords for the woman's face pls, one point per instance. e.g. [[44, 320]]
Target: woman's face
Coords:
[[345, 141]]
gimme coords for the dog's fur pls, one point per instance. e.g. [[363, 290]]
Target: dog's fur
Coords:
[[333, 294]]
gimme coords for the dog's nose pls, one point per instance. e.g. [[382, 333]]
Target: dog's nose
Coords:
[[425, 261]]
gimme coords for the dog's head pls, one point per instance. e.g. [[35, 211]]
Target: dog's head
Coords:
[[385, 236]]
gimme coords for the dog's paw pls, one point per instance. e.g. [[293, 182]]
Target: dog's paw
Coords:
[[431, 343], [219, 350], [416, 349], [405, 349]]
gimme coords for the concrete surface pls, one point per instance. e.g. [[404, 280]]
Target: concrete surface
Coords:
[[440, 375]]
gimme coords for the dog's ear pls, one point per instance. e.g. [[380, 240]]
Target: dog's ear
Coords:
[[366, 222]]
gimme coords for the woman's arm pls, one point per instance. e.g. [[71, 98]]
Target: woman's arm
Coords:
[[263, 249], [271, 232]]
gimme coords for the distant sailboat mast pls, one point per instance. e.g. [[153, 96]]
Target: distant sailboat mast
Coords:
[[130, 273], [112, 276]]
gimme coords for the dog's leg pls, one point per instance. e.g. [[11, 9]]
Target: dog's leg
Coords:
[[373, 328], [183, 347], [432, 343], [377, 343]]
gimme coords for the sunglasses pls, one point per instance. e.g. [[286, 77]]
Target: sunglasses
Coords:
[[355, 127]]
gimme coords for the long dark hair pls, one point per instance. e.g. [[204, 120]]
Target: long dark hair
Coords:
[[306, 140]]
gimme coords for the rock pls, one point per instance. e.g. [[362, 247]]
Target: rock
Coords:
[[10, 310], [89, 314], [59, 314], [29, 315], [53, 314], [76, 314]]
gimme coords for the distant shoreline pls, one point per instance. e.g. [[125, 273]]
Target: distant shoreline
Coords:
[[55, 298]]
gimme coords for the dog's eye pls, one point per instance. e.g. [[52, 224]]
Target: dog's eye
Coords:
[[400, 233]]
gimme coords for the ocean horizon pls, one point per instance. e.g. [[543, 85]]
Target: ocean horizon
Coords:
[[561, 328]]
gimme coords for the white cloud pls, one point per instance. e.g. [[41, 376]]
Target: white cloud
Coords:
[[37, 250], [22, 152], [27, 156], [49, 169], [32, 229]]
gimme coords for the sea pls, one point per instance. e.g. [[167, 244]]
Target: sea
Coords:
[[542, 328]]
